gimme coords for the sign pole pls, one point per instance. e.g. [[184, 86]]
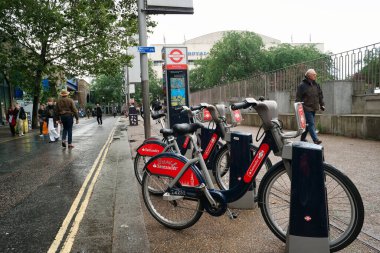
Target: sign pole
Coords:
[[144, 67], [126, 87]]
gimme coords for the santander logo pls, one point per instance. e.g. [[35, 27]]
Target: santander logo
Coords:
[[210, 146], [165, 165], [259, 157], [150, 150]]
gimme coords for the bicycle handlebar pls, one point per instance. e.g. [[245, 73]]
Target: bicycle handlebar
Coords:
[[267, 111], [240, 105], [196, 107]]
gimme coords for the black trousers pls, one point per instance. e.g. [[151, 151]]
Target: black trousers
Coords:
[[99, 119], [13, 130]]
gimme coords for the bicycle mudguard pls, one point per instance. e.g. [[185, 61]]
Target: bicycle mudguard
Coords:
[[153, 138], [170, 164], [151, 148]]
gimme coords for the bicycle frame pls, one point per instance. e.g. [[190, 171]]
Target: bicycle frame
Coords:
[[184, 171], [153, 146]]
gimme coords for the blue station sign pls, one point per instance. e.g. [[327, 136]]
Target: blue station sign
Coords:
[[146, 49]]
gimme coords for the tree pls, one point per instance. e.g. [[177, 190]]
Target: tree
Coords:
[[370, 72], [66, 36], [242, 54], [285, 55], [234, 57], [106, 88]]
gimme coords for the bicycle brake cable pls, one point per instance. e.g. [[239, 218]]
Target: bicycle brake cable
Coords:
[[257, 135]]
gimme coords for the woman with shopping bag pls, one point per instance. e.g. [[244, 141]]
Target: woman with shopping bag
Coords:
[[51, 119]]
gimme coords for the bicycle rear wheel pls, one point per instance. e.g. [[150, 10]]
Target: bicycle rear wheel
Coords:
[[178, 214], [345, 206]]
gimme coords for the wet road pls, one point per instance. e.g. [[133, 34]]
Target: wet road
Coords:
[[40, 180]]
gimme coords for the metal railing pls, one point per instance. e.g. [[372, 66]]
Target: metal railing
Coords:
[[360, 66]]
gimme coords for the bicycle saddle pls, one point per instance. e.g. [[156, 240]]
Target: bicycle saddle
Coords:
[[158, 115], [185, 128], [166, 132]]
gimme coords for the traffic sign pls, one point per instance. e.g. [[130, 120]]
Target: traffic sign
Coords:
[[146, 49]]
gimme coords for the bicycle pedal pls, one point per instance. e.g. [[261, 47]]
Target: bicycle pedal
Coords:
[[167, 196]]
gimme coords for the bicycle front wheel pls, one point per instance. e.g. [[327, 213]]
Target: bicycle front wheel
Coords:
[[345, 206], [139, 164], [179, 213]]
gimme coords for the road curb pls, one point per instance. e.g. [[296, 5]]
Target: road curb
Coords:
[[129, 233]]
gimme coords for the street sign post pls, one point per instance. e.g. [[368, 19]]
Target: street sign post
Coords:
[[146, 50]]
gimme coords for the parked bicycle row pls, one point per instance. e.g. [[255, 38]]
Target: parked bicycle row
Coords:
[[177, 172]]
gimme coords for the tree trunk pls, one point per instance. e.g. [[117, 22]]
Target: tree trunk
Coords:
[[36, 98]]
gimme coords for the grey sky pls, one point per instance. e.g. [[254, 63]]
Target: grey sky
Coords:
[[340, 25]]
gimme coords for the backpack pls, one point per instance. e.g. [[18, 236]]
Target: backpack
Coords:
[[22, 114]]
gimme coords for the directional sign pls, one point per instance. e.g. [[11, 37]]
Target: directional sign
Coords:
[[146, 49]]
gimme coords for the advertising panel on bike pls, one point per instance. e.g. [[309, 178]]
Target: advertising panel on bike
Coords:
[[150, 149], [171, 166]]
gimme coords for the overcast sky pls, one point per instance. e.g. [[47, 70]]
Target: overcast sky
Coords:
[[340, 24]]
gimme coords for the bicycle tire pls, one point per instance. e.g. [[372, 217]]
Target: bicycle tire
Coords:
[[139, 166], [340, 191], [177, 214], [221, 167], [140, 161]]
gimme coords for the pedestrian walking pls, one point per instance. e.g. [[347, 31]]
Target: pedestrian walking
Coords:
[[310, 93], [66, 111], [11, 118], [52, 120], [41, 117], [58, 128], [114, 111], [21, 116], [99, 114], [88, 113]]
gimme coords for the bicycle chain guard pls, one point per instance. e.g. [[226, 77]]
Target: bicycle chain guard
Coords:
[[221, 204]]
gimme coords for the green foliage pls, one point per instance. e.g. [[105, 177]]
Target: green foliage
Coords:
[[55, 37], [234, 57], [242, 54], [107, 88], [285, 55], [370, 73]]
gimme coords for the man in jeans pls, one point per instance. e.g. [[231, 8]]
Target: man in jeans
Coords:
[[66, 110], [310, 93]]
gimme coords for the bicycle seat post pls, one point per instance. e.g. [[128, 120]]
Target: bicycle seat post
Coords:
[[201, 161]]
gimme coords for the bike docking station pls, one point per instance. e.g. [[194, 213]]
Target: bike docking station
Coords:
[[176, 88], [240, 158], [209, 138], [308, 229]]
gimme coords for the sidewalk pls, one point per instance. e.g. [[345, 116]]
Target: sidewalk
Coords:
[[5, 133], [248, 233]]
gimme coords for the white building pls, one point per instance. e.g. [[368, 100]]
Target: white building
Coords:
[[199, 48]]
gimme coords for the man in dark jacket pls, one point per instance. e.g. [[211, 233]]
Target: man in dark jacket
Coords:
[[99, 114], [310, 93]]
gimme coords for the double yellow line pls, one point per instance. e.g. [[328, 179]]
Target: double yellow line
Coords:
[[78, 208]]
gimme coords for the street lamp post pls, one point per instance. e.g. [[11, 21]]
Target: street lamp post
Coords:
[[144, 66]]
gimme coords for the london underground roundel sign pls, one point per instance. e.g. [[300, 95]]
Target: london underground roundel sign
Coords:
[[176, 55]]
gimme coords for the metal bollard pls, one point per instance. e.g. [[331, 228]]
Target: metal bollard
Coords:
[[308, 223]]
